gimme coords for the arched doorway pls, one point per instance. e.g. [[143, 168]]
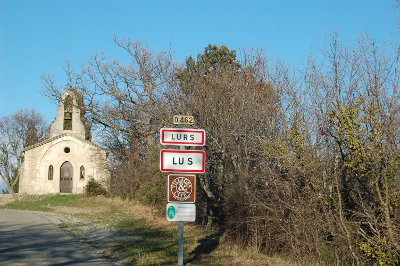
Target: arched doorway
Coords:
[[66, 177]]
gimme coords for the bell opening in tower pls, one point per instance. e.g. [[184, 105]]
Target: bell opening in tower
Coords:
[[67, 113]]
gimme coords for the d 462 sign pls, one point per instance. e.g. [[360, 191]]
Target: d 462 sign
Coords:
[[183, 120]]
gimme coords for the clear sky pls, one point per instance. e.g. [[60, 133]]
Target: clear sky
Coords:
[[38, 36]]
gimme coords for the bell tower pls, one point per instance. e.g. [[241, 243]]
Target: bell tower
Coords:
[[68, 117]]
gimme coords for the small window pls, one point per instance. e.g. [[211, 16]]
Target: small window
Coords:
[[67, 150], [82, 173], [50, 173]]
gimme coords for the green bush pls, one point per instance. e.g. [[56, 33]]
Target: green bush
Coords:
[[94, 188], [153, 193], [379, 253]]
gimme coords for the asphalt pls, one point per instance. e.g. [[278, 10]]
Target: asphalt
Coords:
[[35, 238]]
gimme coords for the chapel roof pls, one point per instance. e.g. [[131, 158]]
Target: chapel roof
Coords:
[[58, 137]]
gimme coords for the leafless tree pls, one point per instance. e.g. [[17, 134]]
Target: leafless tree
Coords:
[[127, 103], [309, 161], [20, 130]]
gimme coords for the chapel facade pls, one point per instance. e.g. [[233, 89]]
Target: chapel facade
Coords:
[[65, 162]]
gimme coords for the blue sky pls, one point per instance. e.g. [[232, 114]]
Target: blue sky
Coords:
[[38, 36]]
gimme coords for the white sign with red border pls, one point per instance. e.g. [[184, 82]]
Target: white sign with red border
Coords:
[[184, 137], [182, 161]]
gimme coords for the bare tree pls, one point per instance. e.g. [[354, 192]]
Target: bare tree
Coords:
[[237, 107], [309, 161], [354, 99], [129, 98], [20, 130], [127, 103]]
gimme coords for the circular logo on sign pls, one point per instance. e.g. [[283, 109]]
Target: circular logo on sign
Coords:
[[181, 188], [171, 212]]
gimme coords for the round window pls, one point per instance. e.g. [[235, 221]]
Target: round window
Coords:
[[67, 150]]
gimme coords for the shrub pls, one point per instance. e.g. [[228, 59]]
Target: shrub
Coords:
[[153, 193], [94, 188]]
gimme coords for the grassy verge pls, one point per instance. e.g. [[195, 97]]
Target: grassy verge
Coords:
[[45, 202], [139, 234]]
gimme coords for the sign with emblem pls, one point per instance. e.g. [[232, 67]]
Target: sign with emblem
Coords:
[[181, 188]]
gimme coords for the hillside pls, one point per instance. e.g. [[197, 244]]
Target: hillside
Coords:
[[132, 233]]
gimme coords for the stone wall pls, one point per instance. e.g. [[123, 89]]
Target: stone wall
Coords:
[[7, 198]]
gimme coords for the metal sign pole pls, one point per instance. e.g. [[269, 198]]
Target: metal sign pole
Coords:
[[180, 229], [182, 161], [180, 243]]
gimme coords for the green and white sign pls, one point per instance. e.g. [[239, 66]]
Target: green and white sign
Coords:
[[181, 212], [171, 212]]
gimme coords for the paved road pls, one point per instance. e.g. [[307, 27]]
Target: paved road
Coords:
[[34, 238]]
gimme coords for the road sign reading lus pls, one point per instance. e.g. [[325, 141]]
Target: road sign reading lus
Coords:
[[182, 161], [184, 137]]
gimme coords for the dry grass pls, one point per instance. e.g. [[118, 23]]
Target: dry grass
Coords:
[[133, 233]]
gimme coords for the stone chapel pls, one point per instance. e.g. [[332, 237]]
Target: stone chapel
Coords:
[[65, 162]]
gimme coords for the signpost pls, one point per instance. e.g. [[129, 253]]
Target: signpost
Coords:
[[175, 136], [182, 161], [181, 188]]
